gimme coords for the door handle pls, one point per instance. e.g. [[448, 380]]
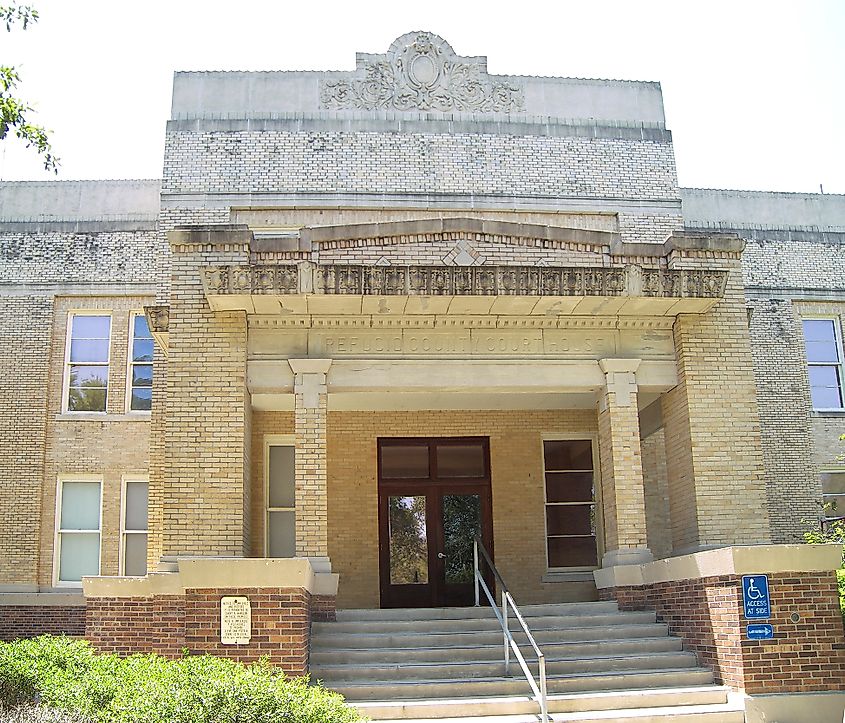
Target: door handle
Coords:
[[441, 556]]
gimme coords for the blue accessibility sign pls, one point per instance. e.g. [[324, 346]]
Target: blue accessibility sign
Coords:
[[755, 597], [760, 631]]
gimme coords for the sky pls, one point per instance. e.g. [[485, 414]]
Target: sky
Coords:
[[754, 91]]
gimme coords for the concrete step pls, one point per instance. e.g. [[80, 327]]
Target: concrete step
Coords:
[[718, 713], [497, 707], [540, 622], [483, 611], [489, 653], [396, 690], [326, 638], [337, 674]]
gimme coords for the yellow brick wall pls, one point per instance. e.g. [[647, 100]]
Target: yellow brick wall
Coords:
[[715, 467], [656, 489], [108, 448], [517, 492], [204, 500]]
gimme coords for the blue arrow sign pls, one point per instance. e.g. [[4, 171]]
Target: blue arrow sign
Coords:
[[755, 597], [761, 631]]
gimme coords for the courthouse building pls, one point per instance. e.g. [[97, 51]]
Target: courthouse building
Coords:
[[367, 315]]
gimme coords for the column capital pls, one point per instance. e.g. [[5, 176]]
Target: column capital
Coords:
[[620, 380], [309, 381]]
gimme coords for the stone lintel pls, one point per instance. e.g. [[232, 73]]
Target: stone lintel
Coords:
[[736, 560], [694, 241], [215, 236], [209, 573]]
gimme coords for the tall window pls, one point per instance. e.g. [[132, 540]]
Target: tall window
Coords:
[[140, 365], [78, 530], [570, 503], [133, 528], [824, 356], [281, 496], [87, 363]]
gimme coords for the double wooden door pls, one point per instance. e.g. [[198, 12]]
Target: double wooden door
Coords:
[[434, 498]]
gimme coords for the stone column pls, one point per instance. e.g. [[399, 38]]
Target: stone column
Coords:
[[623, 500], [311, 394]]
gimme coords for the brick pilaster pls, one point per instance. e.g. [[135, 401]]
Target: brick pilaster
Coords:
[[311, 395], [623, 500]]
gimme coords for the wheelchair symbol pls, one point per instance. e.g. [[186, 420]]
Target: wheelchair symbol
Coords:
[[753, 593]]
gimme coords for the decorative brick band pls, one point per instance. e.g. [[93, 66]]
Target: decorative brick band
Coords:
[[28, 621], [171, 624], [807, 653]]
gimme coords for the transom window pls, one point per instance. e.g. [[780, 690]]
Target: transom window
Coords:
[[570, 503], [87, 362], [78, 530], [140, 365], [823, 341]]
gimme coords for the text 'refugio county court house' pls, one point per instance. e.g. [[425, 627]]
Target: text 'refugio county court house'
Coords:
[[367, 315]]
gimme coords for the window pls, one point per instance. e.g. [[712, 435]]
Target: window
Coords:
[[87, 362], [570, 503], [281, 498], [133, 527], [833, 494], [824, 357], [77, 530], [140, 365]]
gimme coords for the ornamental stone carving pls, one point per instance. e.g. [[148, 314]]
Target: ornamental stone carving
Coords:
[[421, 72], [158, 318], [375, 280]]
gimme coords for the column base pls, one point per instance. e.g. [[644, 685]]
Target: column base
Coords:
[[627, 556]]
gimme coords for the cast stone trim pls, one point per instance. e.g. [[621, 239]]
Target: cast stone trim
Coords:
[[310, 380], [621, 381], [420, 71]]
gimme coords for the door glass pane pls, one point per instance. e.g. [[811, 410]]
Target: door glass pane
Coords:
[[80, 506], [569, 486], [572, 552], [460, 460], [408, 541], [136, 506], [461, 523], [80, 555], [282, 534], [566, 454], [135, 555], [281, 477], [404, 461]]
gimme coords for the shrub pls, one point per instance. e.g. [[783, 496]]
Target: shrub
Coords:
[[66, 675]]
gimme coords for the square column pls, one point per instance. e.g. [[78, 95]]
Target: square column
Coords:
[[623, 499], [311, 394]]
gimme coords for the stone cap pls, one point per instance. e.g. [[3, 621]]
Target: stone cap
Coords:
[[737, 560], [686, 241], [217, 572]]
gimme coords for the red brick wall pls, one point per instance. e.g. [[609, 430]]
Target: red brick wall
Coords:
[[28, 621], [281, 624], [323, 608], [137, 625], [807, 655]]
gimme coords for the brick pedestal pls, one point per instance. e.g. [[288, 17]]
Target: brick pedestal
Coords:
[[807, 653]]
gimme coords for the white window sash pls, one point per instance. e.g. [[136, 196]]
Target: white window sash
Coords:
[[66, 376]]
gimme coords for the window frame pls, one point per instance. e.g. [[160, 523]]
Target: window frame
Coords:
[[592, 437], [125, 479], [840, 365], [275, 440], [130, 364], [832, 469], [57, 531], [71, 314]]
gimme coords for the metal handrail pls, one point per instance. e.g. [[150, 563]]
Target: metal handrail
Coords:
[[507, 600]]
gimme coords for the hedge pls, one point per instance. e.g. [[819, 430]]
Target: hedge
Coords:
[[66, 675]]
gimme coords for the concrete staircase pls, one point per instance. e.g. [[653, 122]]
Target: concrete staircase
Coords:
[[446, 664]]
